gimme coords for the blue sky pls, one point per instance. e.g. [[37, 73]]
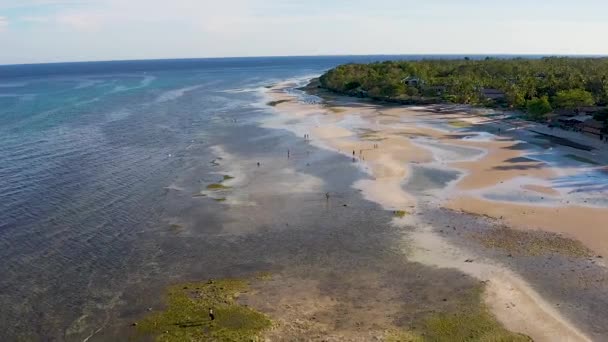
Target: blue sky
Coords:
[[75, 30]]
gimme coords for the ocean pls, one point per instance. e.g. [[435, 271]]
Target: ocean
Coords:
[[95, 159]]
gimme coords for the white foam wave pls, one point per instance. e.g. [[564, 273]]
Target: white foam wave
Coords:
[[146, 81], [87, 84], [24, 97], [175, 94], [13, 84], [243, 90]]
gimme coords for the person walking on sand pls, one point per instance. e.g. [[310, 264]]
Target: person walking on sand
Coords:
[[327, 195], [258, 164], [287, 153], [353, 153]]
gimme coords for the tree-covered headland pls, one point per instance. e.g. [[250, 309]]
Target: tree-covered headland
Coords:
[[535, 86]]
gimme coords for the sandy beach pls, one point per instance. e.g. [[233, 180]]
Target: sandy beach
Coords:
[[502, 173]]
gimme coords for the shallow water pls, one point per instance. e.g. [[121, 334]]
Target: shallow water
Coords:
[[446, 153], [99, 160], [424, 178]]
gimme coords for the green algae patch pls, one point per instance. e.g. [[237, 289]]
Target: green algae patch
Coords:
[[472, 321], [176, 227], [276, 103], [227, 177], [459, 124], [478, 326], [217, 186], [531, 243], [400, 213], [402, 336], [186, 317], [223, 199]]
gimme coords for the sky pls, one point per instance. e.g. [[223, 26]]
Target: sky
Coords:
[[34, 31]]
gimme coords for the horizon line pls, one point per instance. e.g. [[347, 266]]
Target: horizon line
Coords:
[[581, 55]]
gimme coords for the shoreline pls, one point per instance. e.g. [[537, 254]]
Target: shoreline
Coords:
[[508, 160], [569, 138], [398, 131]]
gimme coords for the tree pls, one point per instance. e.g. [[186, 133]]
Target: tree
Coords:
[[573, 98], [538, 108], [392, 89], [515, 97], [603, 117], [412, 91], [567, 82], [352, 85]]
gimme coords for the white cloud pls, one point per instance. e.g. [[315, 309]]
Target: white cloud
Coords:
[[3, 23], [35, 19], [81, 21]]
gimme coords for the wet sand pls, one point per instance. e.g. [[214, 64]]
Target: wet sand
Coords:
[[336, 268], [502, 176]]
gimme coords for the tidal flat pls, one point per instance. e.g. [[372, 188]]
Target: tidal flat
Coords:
[[334, 269], [420, 164]]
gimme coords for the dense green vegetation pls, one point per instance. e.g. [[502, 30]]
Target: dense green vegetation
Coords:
[[535, 86]]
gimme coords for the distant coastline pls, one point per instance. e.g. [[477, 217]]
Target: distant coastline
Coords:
[[565, 92]]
